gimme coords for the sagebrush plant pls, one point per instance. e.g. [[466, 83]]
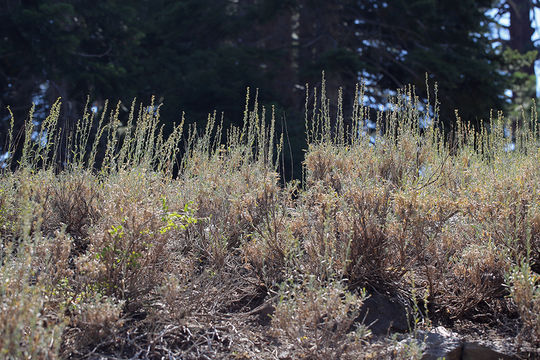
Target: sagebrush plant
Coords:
[[318, 320], [30, 330], [525, 291], [118, 240]]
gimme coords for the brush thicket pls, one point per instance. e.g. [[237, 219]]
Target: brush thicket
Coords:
[[123, 239]]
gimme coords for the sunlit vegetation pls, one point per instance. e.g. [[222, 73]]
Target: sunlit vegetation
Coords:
[[117, 241]]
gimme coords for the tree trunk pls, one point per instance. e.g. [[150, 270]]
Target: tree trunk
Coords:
[[521, 32]]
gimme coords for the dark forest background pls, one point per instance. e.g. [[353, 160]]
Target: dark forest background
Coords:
[[197, 56]]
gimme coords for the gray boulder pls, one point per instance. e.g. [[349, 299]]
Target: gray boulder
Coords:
[[384, 314], [441, 343]]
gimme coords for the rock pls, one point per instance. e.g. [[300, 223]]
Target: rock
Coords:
[[384, 314], [441, 343], [474, 351]]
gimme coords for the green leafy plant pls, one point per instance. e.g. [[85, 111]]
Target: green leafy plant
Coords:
[[175, 220]]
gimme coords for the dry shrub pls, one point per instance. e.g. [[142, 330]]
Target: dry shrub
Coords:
[[191, 313], [127, 252], [525, 290], [471, 284], [507, 208], [29, 329], [535, 237], [328, 165], [367, 209], [53, 261], [271, 247], [346, 234], [7, 209], [317, 320], [93, 327], [22, 215], [71, 203], [400, 160], [228, 192], [191, 291], [240, 207], [143, 265], [370, 231], [139, 237]]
